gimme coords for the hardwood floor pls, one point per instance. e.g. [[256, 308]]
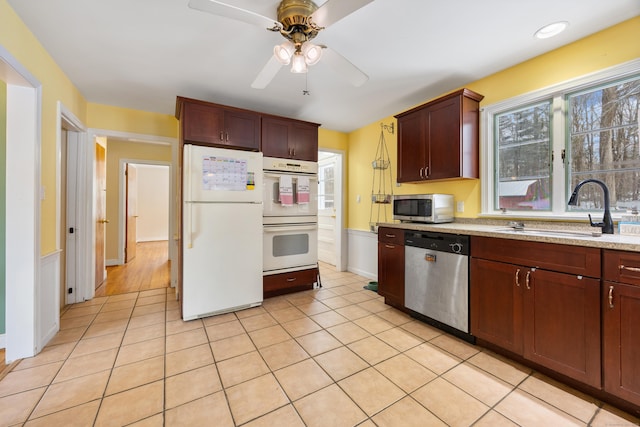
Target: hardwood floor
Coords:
[[150, 269]]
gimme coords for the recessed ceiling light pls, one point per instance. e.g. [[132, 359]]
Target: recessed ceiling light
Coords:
[[551, 30]]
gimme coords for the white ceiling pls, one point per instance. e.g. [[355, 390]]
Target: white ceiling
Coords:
[[141, 54]]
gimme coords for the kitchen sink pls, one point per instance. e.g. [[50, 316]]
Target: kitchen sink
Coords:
[[548, 232]]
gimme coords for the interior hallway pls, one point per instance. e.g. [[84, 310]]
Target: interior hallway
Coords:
[[150, 269], [332, 356]]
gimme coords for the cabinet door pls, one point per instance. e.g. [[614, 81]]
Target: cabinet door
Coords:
[[443, 140], [411, 147], [242, 129], [621, 349], [303, 141], [391, 273], [275, 138], [562, 324], [203, 124], [496, 303]]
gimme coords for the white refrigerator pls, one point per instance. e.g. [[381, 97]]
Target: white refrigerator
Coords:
[[221, 231]]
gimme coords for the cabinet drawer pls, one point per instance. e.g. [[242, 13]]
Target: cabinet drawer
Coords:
[[391, 235], [622, 267], [579, 260], [277, 284]]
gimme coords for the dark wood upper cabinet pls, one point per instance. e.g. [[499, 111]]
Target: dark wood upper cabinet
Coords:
[[204, 123], [289, 139], [440, 139]]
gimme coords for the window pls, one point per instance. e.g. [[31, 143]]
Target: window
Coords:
[[539, 146], [326, 186], [604, 143], [523, 142]]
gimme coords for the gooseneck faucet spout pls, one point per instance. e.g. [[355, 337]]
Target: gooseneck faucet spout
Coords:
[[607, 221]]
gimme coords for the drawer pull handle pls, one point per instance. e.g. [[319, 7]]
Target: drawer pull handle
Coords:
[[518, 277], [610, 296], [291, 279], [624, 267], [526, 280], [389, 246], [390, 235]]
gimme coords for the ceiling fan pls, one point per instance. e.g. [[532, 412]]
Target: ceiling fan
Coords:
[[298, 21]]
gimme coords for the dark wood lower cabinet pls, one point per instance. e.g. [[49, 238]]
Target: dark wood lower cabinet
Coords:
[[391, 266], [496, 304], [621, 320], [550, 318], [562, 324], [284, 283], [621, 349]]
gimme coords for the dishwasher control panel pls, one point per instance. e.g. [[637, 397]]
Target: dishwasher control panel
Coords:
[[451, 243]]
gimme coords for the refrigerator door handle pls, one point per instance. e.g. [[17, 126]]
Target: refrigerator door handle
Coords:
[[189, 210]]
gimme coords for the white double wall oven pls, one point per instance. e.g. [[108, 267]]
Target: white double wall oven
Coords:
[[290, 215]]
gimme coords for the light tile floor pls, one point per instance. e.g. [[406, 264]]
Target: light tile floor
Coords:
[[336, 356]]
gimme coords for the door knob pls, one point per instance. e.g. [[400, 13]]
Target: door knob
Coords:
[[104, 221]]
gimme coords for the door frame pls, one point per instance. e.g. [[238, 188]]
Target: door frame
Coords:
[[92, 134], [122, 194], [340, 201], [23, 185], [77, 257]]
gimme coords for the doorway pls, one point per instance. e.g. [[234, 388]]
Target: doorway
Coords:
[[331, 239], [143, 223]]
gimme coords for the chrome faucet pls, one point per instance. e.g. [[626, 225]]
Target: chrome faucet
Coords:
[[607, 222]]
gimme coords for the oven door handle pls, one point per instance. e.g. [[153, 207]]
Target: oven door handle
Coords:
[[312, 176], [280, 228]]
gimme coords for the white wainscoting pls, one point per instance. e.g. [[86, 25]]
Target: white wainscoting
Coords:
[[363, 253], [48, 300]]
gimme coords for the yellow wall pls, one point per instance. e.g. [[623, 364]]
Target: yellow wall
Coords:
[[607, 48], [21, 43], [337, 141], [134, 121], [56, 86], [117, 150]]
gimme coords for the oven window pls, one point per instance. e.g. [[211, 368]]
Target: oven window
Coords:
[[290, 244]]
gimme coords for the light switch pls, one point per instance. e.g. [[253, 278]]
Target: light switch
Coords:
[[460, 206], [358, 198]]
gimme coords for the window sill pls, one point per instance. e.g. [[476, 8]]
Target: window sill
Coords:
[[545, 216]]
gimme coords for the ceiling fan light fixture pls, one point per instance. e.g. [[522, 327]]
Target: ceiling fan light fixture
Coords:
[[312, 53], [283, 52], [298, 64]]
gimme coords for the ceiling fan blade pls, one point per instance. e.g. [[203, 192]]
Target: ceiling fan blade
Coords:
[[334, 10], [344, 67], [223, 9], [267, 73]]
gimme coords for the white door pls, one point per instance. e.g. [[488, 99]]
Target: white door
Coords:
[[327, 198]]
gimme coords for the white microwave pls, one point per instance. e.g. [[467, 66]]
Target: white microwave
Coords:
[[430, 208]]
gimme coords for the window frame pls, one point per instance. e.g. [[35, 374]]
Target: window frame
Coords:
[[559, 134]]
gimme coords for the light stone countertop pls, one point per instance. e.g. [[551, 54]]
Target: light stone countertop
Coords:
[[576, 234]]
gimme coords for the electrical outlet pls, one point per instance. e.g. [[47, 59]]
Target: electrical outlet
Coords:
[[358, 198], [460, 207]]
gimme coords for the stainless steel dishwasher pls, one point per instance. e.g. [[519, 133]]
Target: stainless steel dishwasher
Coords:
[[437, 278]]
